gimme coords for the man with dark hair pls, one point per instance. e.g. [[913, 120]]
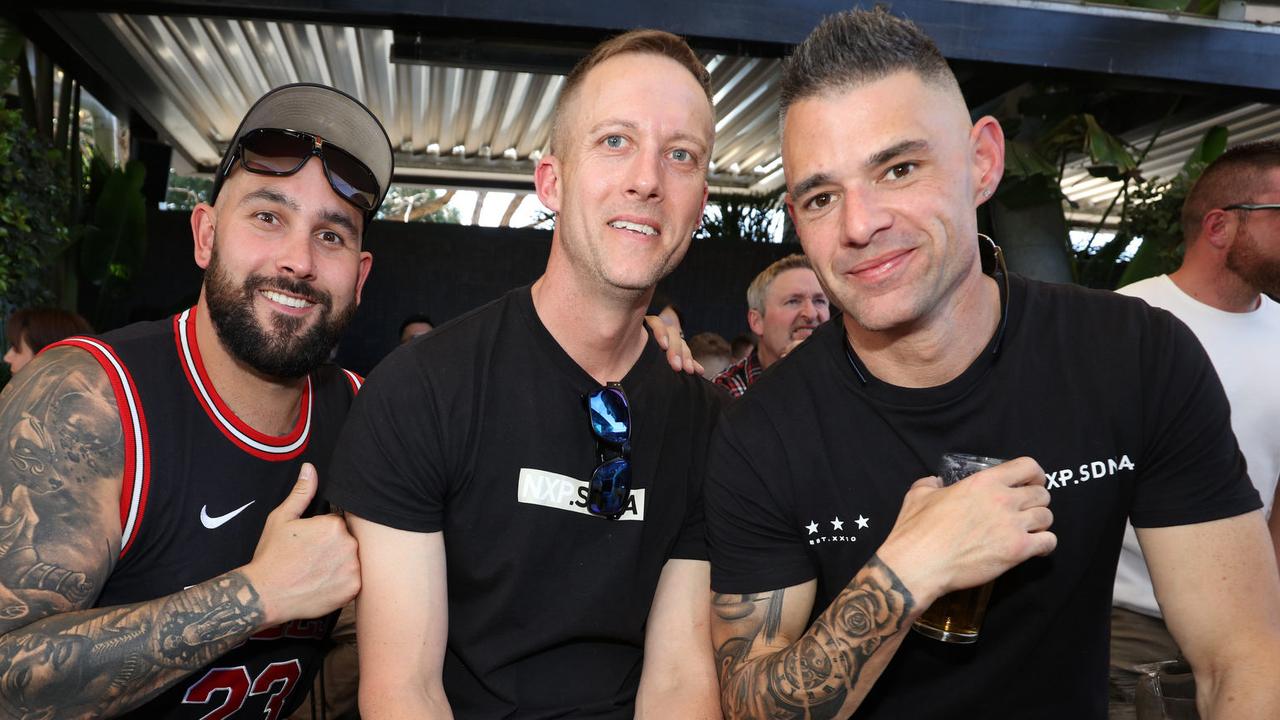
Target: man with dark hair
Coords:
[[785, 304], [415, 325], [1231, 227], [31, 330], [825, 547], [143, 569], [542, 441], [711, 352]]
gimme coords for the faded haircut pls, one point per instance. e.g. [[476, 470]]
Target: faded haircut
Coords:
[[855, 47], [1235, 177], [760, 286], [650, 42]]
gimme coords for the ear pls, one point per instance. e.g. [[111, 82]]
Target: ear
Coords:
[[1218, 229], [986, 142], [546, 180], [202, 232], [366, 264], [755, 321]]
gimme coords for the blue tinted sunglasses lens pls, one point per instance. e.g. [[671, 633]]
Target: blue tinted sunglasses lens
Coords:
[[610, 420], [610, 486]]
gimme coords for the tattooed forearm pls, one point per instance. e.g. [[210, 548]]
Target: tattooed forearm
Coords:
[[62, 452], [98, 663], [814, 677]]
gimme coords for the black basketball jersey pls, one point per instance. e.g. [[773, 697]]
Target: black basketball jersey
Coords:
[[198, 486]]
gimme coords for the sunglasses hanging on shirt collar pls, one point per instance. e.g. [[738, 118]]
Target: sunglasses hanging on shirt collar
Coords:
[[610, 418]]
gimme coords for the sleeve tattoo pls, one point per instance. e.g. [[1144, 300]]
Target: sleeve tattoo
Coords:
[[63, 455], [812, 677]]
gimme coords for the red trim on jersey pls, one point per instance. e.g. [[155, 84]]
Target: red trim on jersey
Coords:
[[355, 380], [275, 448], [136, 479]]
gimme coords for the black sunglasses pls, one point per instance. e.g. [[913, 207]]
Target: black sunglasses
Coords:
[[1253, 206], [271, 151], [611, 425]]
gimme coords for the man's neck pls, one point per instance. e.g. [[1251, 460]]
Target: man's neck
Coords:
[[602, 331], [268, 405], [938, 348], [1216, 287]]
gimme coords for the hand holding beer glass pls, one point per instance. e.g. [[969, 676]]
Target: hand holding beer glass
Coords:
[[957, 616], [957, 535]]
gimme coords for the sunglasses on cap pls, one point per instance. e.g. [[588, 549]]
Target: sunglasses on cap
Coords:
[[271, 151], [611, 425]]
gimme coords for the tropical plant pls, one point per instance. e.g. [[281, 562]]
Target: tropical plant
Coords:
[[95, 233], [34, 187], [742, 218], [1153, 212]]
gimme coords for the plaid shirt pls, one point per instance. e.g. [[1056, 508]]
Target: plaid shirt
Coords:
[[740, 375]]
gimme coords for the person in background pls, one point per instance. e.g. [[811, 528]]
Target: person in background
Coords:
[[742, 345], [1231, 227], [31, 330], [712, 352], [785, 304], [413, 326]]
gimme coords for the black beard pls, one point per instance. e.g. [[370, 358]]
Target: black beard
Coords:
[[279, 352]]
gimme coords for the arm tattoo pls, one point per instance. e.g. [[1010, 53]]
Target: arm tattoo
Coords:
[[102, 662], [812, 677], [61, 462]]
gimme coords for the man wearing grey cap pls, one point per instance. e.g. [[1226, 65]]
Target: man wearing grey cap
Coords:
[[160, 552]]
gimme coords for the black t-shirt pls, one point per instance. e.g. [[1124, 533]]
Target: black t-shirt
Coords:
[[1116, 401], [479, 430]]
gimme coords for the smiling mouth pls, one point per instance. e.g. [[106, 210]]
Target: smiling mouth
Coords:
[[634, 227], [286, 300], [881, 267]]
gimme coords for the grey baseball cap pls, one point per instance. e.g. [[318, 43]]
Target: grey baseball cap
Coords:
[[326, 112]]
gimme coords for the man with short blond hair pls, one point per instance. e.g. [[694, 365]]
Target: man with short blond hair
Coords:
[[545, 443], [785, 304]]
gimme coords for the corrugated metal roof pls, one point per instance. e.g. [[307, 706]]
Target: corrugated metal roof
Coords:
[[1246, 123], [194, 78], [455, 123]]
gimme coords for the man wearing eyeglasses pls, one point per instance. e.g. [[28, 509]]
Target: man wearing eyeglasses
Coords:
[[525, 482], [829, 537], [1231, 227], [160, 555]]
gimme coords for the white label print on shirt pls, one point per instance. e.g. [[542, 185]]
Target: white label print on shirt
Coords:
[[1093, 470], [561, 492], [834, 529]]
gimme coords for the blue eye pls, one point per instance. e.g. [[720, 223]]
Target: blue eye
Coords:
[[681, 155], [614, 141]]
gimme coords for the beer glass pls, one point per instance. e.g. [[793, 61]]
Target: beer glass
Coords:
[[957, 616]]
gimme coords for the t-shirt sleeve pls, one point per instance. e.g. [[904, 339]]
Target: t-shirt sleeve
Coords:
[[751, 536], [691, 543], [387, 466], [1193, 470]]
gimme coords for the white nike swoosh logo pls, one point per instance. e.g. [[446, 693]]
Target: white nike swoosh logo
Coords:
[[219, 521]]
